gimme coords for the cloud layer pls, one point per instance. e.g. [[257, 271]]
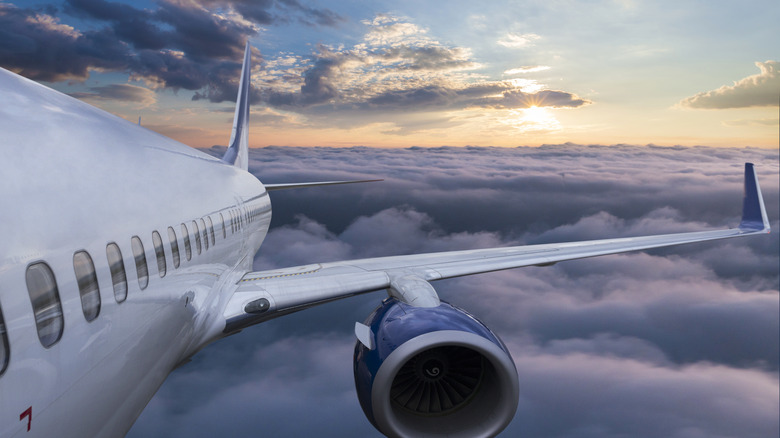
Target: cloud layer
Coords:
[[680, 342]]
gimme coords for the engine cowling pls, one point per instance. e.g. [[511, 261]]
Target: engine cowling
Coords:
[[434, 371]]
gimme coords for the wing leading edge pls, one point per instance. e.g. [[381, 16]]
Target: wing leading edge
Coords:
[[268, 294]]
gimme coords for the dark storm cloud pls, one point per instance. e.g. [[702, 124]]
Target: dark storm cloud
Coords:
[[34, 44], [274, 11], [178, 45], [135, 26], [681, 343]]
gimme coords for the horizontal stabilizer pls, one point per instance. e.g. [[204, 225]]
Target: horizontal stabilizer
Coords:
[[271, 187]]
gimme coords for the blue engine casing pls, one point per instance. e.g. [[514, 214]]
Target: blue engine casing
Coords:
[[434, 371]]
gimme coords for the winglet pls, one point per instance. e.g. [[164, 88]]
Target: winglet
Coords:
[[753, 211], [237, 153]]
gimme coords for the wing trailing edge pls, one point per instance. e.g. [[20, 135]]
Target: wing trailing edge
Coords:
[[237, 153]]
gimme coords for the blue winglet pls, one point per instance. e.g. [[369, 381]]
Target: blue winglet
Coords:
[[237, 152], [753, 212]]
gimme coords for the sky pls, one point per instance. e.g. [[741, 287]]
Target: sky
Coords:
[[436, 97], [682, 342], [408, 73]]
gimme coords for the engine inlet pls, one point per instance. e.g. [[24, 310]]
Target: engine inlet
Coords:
[[438, 381]]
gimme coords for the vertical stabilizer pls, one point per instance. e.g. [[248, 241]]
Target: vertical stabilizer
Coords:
[[237, 153]]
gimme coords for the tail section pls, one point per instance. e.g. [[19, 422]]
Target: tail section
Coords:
[[237, 153]]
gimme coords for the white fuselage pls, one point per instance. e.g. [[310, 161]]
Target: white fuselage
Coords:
[[77, 179]]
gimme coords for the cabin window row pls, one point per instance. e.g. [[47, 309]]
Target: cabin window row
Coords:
[[44, 293]]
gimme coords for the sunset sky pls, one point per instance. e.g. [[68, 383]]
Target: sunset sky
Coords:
[[404, 73], [681, 342]]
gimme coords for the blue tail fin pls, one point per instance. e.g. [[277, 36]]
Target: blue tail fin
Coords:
[[237, 153], [753, 212]]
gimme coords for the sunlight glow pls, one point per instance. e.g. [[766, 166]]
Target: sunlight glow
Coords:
[[534, 118]]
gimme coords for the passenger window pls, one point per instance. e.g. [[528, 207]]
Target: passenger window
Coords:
[[224, 229], [185, 234], [205, 233], [45, 298], [211, 230], [174, 247], [117, 267], [140, 262], [196, 233], [159, 251], [88, 284], [5, 353]]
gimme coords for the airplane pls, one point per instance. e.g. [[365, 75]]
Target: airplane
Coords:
[[127, 252]]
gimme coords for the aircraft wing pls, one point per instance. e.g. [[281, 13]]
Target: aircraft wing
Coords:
[[264, 295]]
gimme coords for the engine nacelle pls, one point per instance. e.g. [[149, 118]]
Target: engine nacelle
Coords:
[[434, 371]]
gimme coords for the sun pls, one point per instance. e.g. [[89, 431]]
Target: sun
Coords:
[[535, 114], [534, 118]]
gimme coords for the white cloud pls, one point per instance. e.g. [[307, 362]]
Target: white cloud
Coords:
[[516, 41], [762, 89], [526, 69]]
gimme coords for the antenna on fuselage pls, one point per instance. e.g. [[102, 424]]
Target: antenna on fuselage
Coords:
[[139, 120]]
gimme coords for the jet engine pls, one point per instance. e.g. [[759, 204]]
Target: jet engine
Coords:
[[433, 372]]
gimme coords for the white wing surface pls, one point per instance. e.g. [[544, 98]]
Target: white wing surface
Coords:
[[267, 294]]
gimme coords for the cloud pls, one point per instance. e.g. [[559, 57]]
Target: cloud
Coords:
[[120, 92], [516, 41], [396, 66], [36, 45], [544, 98], [191, 45], [580, 395], [526, 69], [270, 11], [756, 90]]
